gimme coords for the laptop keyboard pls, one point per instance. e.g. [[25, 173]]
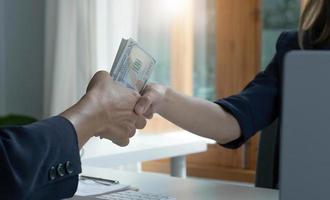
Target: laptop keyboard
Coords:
[[133, 195]]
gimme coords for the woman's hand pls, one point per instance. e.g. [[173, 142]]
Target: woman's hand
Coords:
[[195, 115], [151, 101]]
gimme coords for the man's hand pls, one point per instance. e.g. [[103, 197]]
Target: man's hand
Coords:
[[107, 110], [117, 104]]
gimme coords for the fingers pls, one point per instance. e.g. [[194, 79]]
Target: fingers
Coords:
[[149, 114], [140, 123], [143, 105], [152, 98], [118, 135], [149, 97], [122, 143], [131, 131]]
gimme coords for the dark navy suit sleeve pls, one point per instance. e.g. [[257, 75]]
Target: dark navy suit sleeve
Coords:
[[39, 161], [258, 104]]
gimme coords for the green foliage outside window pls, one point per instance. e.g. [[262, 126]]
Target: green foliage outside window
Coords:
[[15, 120]]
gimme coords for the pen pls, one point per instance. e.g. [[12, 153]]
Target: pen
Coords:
[[100, 179]]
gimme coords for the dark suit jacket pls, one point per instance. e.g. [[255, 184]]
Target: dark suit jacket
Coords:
[[258, 105], [39, 161]]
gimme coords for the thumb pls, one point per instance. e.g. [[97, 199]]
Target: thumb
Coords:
[[142, 105]]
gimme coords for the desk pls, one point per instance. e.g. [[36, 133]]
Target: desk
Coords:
[[146, 147], [184, 189]]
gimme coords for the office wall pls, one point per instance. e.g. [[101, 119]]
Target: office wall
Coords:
[[24, 52], [2, 58]]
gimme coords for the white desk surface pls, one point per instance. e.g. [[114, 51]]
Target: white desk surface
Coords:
[[184, 189], [143, 147]]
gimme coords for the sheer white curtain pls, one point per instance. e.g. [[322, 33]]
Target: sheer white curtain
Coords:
[[82, 36], [116, 19], [70, 52]]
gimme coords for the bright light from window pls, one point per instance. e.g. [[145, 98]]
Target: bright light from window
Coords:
[[173, 7]]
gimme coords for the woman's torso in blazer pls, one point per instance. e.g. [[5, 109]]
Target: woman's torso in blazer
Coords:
[[258, 105]]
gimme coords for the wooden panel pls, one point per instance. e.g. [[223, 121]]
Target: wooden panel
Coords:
[[182, 49], [223, 173], [238, 44], [217, 156], [203, 171], [238, 54], [161, 166], [252, 149]]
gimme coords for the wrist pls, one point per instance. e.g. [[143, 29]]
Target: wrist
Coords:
[[81, 115], [95, 110], [165, 100]]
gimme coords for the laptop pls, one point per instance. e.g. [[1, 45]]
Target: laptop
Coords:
[[305, 127]]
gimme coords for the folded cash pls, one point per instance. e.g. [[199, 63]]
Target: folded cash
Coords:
[[132, 66]]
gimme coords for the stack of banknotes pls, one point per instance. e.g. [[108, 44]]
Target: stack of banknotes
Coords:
[[132, 66]]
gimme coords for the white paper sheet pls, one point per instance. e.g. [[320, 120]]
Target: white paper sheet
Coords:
[[90, 187]]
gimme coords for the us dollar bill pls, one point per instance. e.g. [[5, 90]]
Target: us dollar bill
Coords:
[[132, 66]]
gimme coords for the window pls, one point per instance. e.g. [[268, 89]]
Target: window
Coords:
[[205, 49], [278, 15], [156, 34], [181, 36]]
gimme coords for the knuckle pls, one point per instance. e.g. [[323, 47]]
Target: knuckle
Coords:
[[132, 133], [134, 117], [147, 99], [150, 116], [101, 73], [128, 131], [143, 124]]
